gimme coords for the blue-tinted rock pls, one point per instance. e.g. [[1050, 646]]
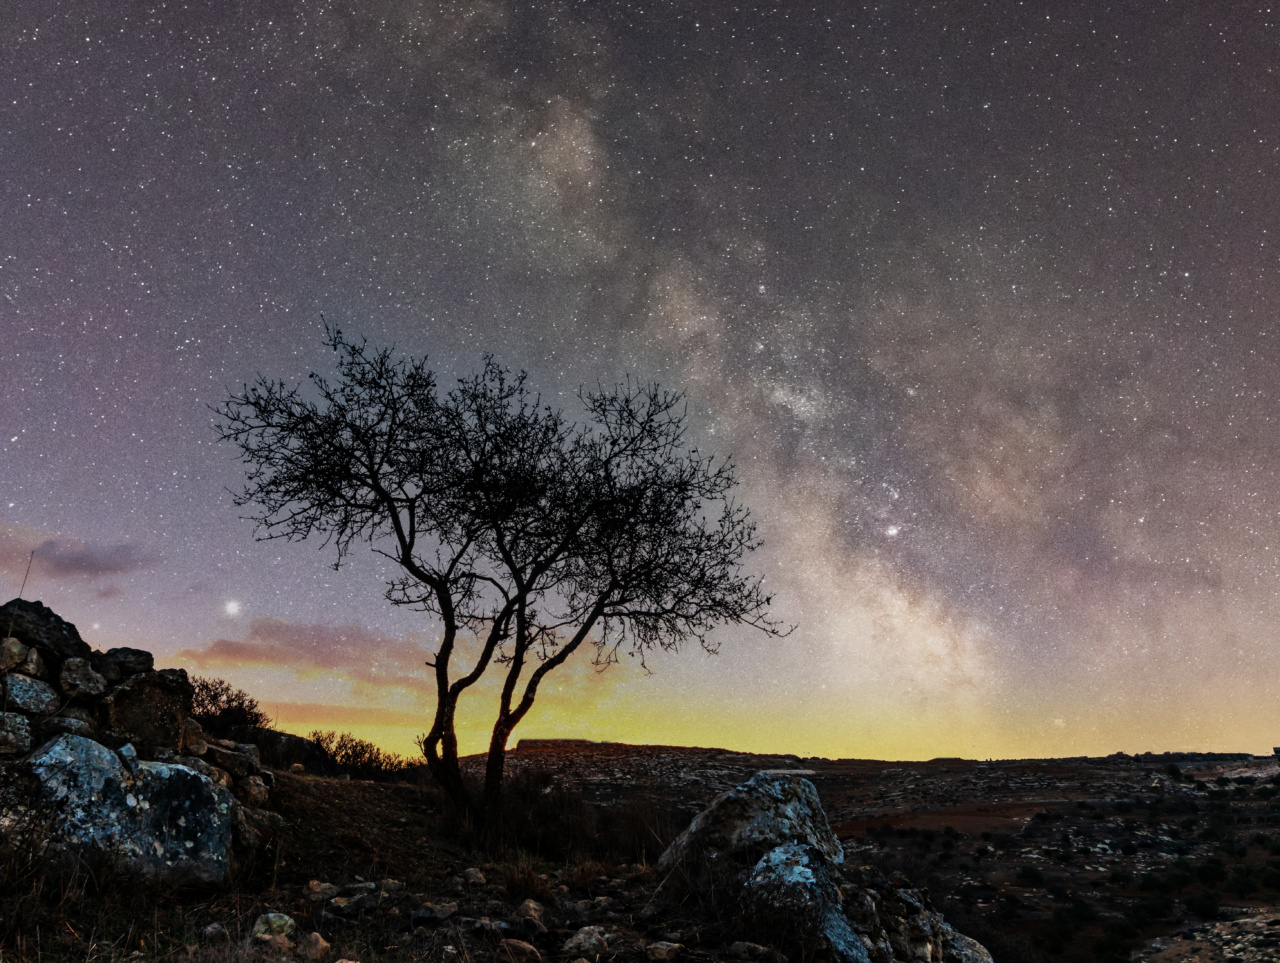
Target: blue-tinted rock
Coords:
[[25, 694], [168, 821]]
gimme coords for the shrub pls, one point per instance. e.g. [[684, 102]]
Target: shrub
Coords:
[[358, 758], [1204, 905], [219, 708]]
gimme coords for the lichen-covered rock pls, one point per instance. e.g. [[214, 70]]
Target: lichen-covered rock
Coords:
[[77, 678], [742, 824], [150, 710], [25, 694], [164, 820], [589, 941], [15, 734], [274, 924], [239, 764], [34, 665], [33, 623], [117, 664], [791, 889]]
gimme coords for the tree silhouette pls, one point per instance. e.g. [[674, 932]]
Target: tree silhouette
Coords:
[[518, 529]]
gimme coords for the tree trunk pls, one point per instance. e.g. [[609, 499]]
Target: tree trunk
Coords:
[[493, 769]]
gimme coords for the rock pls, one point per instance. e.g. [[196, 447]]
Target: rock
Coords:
[[165, 821], [56, 725], [12, 654], [433, 912], [117, 664], [278, 944], [215, 931], [15, 734], [297, 768], [251, 791], [958, 948], [237, 763], [662, 950], [251, 828], [196, 763], [390, 887], [318, 891], [274, 924], [34, 665], [746, 951], [33, 623], [530, 909], [517, 951], [193, 742], [791, 891], [473, 877], [313, 948], [281, 750], [220, 776], [359, 889], [742, 824], [78, 679], [150, 710], [31, 696], [589, 941]]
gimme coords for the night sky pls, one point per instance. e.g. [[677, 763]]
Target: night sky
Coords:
[[981, 297]]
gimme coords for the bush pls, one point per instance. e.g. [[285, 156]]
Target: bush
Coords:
[[219, 708], [1204, 905], [358, 758]]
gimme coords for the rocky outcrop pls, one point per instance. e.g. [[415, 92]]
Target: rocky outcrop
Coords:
[[768, 846], [109, 743]]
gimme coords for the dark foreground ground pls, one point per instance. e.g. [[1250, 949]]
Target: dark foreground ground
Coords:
[[1169, 858]]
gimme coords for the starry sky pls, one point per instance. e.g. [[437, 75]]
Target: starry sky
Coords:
[[980, 296]]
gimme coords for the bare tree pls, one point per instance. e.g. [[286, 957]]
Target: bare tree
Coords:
[[519, 530]]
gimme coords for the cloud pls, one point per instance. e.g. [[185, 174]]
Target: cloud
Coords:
[[68, 558]]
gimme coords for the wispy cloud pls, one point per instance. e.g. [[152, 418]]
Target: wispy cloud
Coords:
[[60, 557]]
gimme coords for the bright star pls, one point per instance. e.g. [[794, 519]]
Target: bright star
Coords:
[[233, 608]]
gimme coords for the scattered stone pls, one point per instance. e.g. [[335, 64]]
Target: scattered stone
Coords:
[[215, 931], [518, 951], [662, 950], [297, 768], [390, 886], [274, 924], [530, 909], [589, 941], [313, 948], [434, 912], [237, 763], [318, 892], [473, 876], [29, 695], [277, 943], [12, 654], [77, 679], [15, 734], [743, 950]]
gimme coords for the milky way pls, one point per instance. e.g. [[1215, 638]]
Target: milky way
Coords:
[[981, 298]]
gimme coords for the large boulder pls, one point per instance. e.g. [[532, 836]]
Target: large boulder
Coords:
[[766, 850], [280, 750], [152, 818], [35, 624], [149, 710], [78, 678], [741, 825], [792, 891]]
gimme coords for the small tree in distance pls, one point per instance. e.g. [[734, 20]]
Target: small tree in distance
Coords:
[[221, 710], [510, 524]]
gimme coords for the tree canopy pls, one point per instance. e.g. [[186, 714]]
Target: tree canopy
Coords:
[[515, 527]]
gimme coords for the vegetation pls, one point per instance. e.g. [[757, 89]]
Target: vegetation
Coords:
[[527, 536], [220, 709], [359, 759]]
